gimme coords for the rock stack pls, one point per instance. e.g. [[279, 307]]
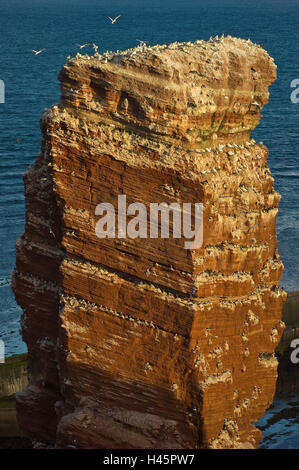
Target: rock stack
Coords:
[[142, 343]]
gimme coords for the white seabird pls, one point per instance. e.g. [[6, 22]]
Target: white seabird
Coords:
[[83, 45], [38, 52], [113, 20]]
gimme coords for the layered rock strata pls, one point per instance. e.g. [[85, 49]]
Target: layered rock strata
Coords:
[[141, 343]]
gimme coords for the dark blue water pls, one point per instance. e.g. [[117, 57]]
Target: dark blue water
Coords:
[[31, 85], [280, 425]]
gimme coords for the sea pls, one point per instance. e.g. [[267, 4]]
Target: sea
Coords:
[[31, 85]]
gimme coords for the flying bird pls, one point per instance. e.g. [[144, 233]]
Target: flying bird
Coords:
[[114, 20], [83, 45], [95, 47], [38, 52]]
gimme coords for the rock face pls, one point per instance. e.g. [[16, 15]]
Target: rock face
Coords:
[[141, 343]]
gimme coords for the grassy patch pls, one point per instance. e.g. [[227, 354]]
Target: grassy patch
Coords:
[[8, 402], [14, 361]]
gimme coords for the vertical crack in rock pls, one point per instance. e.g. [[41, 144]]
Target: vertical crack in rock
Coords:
[[141, 343]]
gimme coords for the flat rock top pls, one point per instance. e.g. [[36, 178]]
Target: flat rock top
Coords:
[[187, 91], [176, 52]]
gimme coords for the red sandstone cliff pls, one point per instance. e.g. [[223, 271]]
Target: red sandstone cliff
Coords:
[[142, 343]]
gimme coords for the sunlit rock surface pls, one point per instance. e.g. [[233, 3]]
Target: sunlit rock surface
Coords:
[[141, 343]]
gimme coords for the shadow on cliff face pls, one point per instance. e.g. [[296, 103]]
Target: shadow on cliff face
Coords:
[[40, 322], [118, 413], [288, 371]]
